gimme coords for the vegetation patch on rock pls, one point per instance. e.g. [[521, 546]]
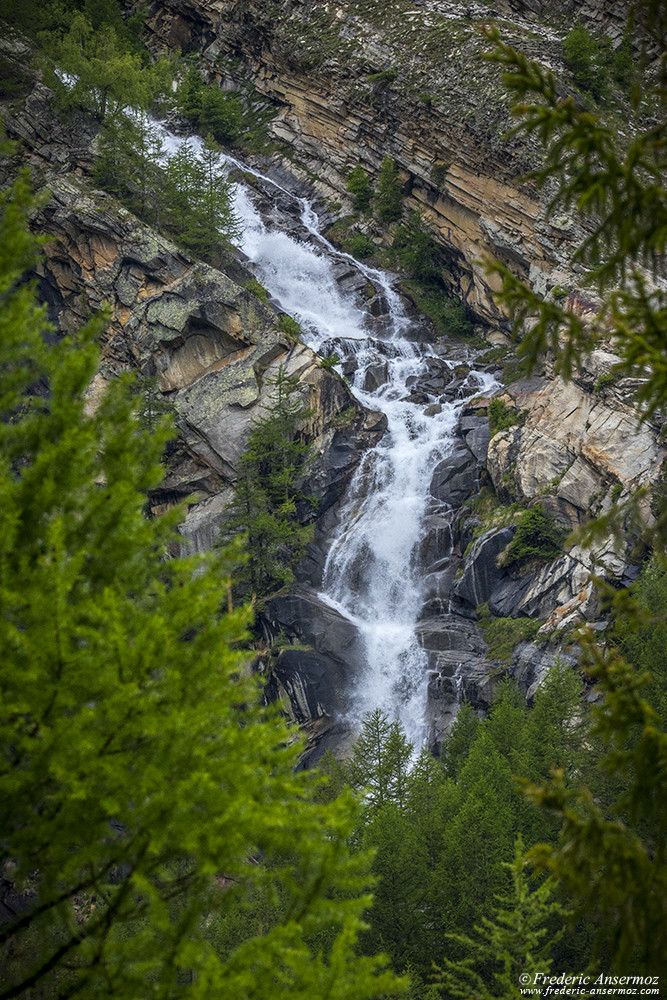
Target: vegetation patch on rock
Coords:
[[503, 635]]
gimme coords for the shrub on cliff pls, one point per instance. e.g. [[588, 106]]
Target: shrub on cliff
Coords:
[[359, 185], [585, 58], [210, 109], [417, 251], [147, 798], [537, 537], [502, 416], [388, 199]]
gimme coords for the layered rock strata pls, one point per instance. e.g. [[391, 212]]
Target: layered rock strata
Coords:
[[209, 345], [354, 82]]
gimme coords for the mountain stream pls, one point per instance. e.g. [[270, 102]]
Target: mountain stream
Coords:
[[373, 574]]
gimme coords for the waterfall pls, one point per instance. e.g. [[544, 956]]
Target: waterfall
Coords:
[[372, 573]]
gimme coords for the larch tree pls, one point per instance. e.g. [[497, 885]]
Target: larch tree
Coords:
[[105, 74], [140, 778], [514, 943], [264, 507], [388, 198], [378, 761], [612, 860]]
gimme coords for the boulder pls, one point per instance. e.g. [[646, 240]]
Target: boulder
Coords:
[[477, 437], [312, 684], [375, 375]]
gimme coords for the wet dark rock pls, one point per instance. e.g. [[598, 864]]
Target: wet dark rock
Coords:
[[375, 376], [452, 391], [477, 440], [538, 593], [475, 432], [421, 398], [317, 680], [458, 670], [449, 633], [325, 734], [304, 617], [465, 530], [437, 587], [482, 576], [311, 566], [455, 478], [508, 595], [379, 306], [436, 542], [334, 464], [311, 682]]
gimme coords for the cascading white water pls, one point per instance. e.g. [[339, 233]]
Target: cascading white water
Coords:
[[372, 572]]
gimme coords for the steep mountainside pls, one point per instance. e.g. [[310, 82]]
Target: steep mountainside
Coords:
[[355, 81], [350, 84], [209, 343]]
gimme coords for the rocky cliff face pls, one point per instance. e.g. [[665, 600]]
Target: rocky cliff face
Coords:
[[209, 344], [354, 81]]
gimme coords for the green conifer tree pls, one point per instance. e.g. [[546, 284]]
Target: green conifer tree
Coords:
[[379, 760], [214, 226], [611, 856], [140, 779], [388, 199], [400, 867], [457, 742], [477, 838], [190, 95], [417, 250], [556, 728], [210, 109], [516, 937], [220, 114], [266, 491], [105, 74], [428, 802], [197, 201], [359, 185], [129, 150]]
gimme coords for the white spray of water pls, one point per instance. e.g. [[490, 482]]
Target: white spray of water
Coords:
[[372, 573]]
